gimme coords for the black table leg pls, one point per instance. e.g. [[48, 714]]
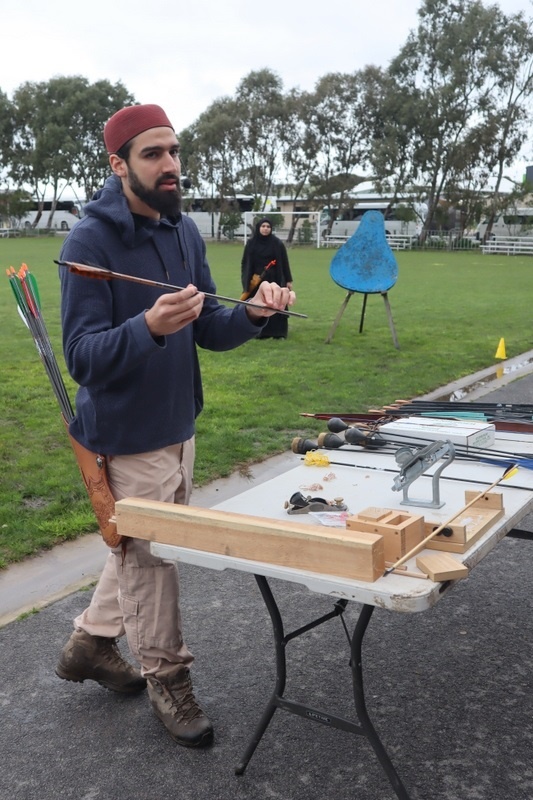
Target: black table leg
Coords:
[[281, 673], [360, 705], [365, 726]]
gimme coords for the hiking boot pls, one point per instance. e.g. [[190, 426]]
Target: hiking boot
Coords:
[[97, 658], [174, 703]]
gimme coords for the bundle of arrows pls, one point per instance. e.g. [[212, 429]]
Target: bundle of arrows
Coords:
[[93, 466], [516, 417], [26, 292]]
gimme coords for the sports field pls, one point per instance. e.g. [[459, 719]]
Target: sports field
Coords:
[[450, 311]]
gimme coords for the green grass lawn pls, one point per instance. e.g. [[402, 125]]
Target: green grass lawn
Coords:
[[450, 311]]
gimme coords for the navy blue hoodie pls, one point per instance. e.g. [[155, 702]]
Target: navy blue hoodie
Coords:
[[137, 393]]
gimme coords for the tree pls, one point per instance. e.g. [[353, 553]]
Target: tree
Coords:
[[442, 74], [507, 110], [91, 107], [43, 150], [6, 130], [299, 151], [392, 112], [208, 149], [14, 205], [58, 134], [208, 152], [235, 145], [262, 114], [339, 135]]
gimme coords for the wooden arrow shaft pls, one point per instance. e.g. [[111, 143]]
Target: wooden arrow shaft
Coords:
[[107, 275]]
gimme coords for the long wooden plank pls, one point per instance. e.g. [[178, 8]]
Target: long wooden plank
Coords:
[[328, 551]]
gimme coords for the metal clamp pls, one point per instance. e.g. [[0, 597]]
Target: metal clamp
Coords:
[[414, 463]]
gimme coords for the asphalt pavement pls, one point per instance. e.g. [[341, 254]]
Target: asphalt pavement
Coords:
[[449, 690]]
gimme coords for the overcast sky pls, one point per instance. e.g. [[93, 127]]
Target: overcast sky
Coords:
[[183, 55]]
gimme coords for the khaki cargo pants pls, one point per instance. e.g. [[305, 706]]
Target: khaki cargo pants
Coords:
[[138, 594]]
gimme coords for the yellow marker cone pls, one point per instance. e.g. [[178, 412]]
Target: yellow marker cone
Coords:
[[500, 352]]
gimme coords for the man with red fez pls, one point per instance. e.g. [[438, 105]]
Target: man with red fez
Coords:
[[131, 348]]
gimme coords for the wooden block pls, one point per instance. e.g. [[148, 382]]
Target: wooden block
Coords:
[[490, 500], [400, 531], [328, 551], [441, 567], [470, 525], [374, 514]]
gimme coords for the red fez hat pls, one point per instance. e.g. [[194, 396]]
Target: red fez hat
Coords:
[[130, 121]]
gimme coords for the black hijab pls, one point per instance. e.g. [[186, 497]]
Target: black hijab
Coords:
[[264, 247]]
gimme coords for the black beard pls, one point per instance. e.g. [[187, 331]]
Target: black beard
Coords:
[[164, 202]]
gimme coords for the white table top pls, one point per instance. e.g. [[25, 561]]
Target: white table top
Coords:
[[363, 484]]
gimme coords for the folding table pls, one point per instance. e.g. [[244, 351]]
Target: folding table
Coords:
[[367, 481]]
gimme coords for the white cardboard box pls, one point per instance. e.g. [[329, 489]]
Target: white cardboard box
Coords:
[[469, 433]]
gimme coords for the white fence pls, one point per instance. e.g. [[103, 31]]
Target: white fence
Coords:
[[508, 246], [400, 242], [308, 232], [395, 241]]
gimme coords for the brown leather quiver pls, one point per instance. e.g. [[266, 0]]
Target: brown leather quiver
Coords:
[[93, 468]]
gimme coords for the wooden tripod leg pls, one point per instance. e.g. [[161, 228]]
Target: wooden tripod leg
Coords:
[[391, 321], [338, 318]]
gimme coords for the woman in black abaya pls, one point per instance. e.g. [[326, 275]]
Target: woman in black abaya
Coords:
[[265, 259]]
